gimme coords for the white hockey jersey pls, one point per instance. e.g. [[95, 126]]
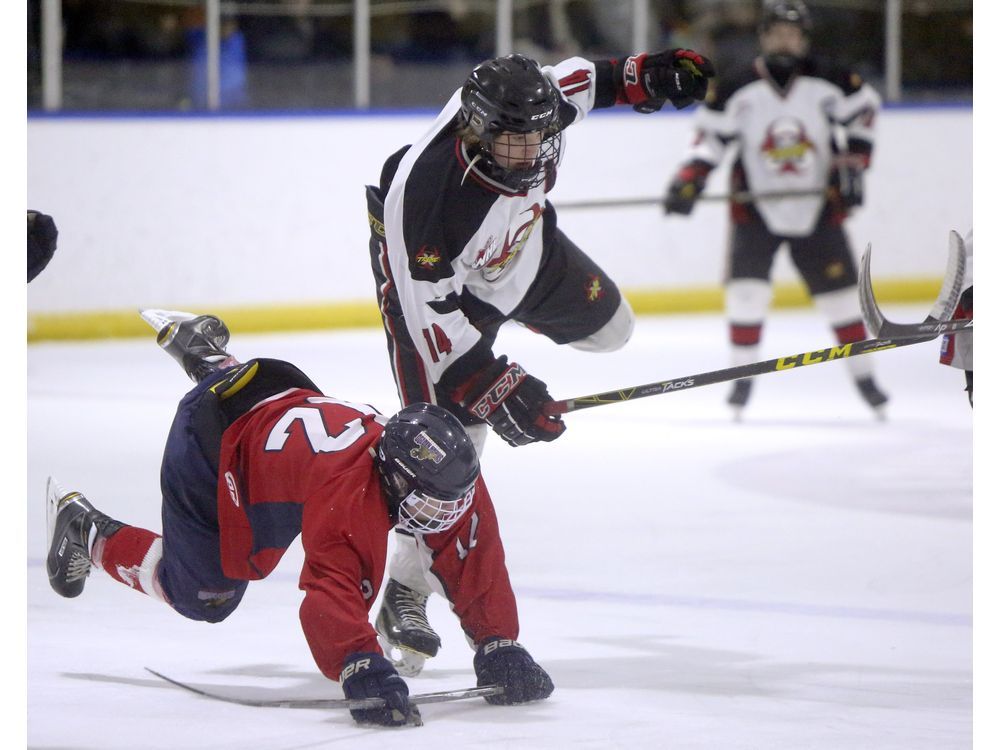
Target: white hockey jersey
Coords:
[[456, 239], [786, 137]]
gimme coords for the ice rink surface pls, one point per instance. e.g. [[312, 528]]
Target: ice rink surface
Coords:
[[799, 580]]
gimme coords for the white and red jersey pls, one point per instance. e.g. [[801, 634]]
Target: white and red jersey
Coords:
[[455, 239], [956, 348], [301, 462], [786, 137]]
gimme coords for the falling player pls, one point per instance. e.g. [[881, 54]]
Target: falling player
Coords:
[[257, 455]]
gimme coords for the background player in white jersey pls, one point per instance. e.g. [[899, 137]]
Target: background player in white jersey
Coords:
[[956, 348], [797, 126], [464, 239]]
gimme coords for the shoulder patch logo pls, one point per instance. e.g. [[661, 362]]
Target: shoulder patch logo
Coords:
[[594, 289], [428, 257]]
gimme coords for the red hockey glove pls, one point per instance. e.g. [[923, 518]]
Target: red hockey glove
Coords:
[[646, 81], [512, 402], [371, 675], [686, 187], [505, 662]]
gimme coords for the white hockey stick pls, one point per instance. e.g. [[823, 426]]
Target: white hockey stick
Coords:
[[348, 703], [939, 320]]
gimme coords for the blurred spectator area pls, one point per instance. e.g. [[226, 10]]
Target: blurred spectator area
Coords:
[[297, 54]]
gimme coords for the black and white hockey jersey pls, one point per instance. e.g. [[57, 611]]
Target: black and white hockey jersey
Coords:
[[455, 240], [786, 136]]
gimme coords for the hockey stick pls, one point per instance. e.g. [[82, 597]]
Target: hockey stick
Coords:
[[901, 335], [939, 321], [741, 197], [348, 703]]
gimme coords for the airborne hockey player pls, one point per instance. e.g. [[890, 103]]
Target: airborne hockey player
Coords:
[[464, 239], [256, 456], [800, 127]]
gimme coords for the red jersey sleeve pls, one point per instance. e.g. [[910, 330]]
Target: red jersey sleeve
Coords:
[[345, 539], [469, 562]]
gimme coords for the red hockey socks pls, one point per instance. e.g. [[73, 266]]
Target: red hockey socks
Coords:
[[131, 555]]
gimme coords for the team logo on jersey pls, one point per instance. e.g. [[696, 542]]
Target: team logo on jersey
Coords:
[[786, 148], [428, 257], [512, 245], [231, 486], [427, 449], [594, 289], [485, 254]]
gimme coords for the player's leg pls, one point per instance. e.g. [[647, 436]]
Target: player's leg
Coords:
[[827, 266], [747, 298], [196, 342], [404, 631], [183, 566], [573, 301]]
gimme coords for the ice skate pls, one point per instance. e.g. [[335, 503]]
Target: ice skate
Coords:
[[739, 396], [196, 342], [70, 518], [872, 395], [402, 625]]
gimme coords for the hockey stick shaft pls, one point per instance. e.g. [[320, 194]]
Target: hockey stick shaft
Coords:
[[741, 197], [780, 364], [889, 335], [348, 703]]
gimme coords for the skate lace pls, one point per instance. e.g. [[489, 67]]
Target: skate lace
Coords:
[[78, 567], [410, 606]]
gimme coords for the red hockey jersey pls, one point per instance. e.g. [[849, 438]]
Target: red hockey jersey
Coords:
[[299, 462]]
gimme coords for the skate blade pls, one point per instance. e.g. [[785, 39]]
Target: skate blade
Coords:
[[160, 319], [407, 663], [54, 492]]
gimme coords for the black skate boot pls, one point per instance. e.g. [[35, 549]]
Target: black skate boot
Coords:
[[198, 343], [70, 519], [402, 624], [739, 396], [874, 397]]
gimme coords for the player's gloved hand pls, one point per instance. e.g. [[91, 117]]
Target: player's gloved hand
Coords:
[[685, 188], [646, 81], [848, 177], [371, 675], [513, 403], [505, 662], [42, 235]]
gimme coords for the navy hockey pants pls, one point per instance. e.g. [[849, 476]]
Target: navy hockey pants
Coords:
[[190, 572]]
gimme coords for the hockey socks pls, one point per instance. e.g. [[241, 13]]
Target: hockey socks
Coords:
[[131, 556]]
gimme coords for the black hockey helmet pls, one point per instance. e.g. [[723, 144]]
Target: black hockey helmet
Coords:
[[512, 95], [429, 467], [794, 12]]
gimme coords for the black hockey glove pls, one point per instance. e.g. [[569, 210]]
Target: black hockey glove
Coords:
[[505, 662], [42, 235], [685, 188], [371, 675], [513, 403], [646, 81]]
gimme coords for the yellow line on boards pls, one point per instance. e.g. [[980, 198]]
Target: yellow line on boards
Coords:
[[102, 324]]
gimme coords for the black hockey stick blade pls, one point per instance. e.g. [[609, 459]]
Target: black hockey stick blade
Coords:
[[939, 321], [348, 703], [741, 197]]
